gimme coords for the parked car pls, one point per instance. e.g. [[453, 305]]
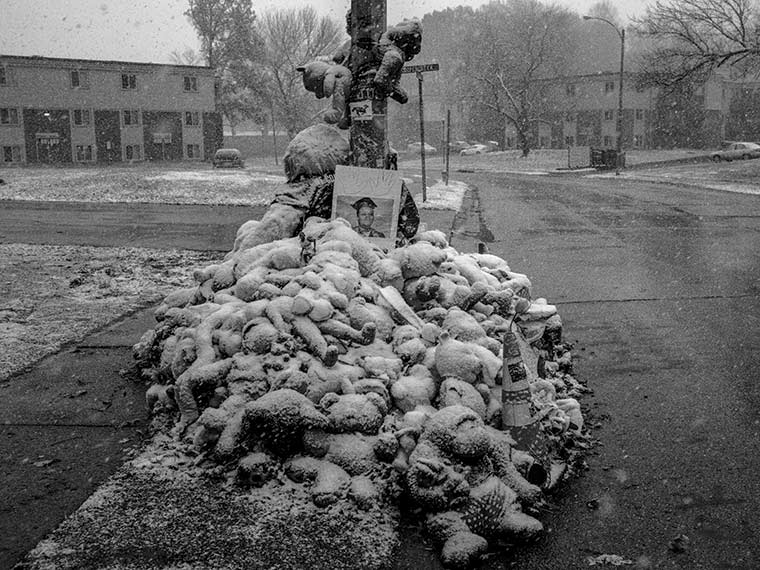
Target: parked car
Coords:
[[415, 147], [737, 151], [474, 149], [228, 157], [457, 146]]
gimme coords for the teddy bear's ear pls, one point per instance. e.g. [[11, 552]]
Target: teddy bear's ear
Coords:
[[328, 400], [378, 401]]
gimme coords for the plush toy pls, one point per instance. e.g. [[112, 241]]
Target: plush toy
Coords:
[[329, 80], [461, 473], [419, 259], [279, 419], [414, 389], [457, 359], [397, 45], [314, 152], [347, 413]]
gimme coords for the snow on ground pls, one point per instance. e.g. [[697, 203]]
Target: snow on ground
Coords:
[[240, 178], [442, 196]]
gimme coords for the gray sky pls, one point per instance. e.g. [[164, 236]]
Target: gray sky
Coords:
[[149, 30]]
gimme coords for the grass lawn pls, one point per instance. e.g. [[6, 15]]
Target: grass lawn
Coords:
[[171, 183]]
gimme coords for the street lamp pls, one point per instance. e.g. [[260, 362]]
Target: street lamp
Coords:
[[621, 33]]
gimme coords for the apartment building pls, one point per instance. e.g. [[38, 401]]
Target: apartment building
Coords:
[[586, 107], [55, 110]]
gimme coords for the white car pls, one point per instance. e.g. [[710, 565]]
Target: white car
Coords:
[[415, 147], [737, 151], [474, 149]]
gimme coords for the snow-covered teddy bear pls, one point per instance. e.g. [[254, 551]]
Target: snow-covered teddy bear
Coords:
[[461, 473], [329, 80], [399, 44]]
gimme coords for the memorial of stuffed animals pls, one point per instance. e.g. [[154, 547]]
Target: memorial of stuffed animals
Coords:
[[368, 376]]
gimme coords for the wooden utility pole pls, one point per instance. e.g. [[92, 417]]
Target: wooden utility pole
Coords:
[[447, 147], [367, 134]]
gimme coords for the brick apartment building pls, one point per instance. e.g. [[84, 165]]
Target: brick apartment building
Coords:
[[56, 110], [587, 109]]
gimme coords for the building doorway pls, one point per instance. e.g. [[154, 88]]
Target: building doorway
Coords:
[[48, 147]]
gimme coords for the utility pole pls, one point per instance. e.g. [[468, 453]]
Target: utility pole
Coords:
[[367, 133], [619, 125]]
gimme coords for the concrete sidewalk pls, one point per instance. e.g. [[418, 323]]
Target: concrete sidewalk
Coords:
[[69, 425]]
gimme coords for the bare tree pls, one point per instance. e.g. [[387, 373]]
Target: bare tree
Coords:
[[513, 48], [291, 38], [607, 10], [231, 45], [226, 29], [691, 38], [188, 56]]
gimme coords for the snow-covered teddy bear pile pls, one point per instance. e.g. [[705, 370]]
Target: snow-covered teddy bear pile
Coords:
[[364, 376]]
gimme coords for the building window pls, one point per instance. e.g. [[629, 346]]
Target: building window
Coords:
[[193, 151], [8, 116], [638, 141], [510, 142], [133, 152], [607, 141], [3, 76], [84, 153], [609, 114], [609, 86], [12, 153], [191, 83], [81, 117], [569, 141], [570, 89], [79, 79], [639, 114], [131, 117], [128, 81], [192, 118]]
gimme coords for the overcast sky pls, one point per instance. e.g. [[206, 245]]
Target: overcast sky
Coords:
[[149, 30]]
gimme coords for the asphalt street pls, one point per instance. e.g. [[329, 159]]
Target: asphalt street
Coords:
[[658, 290]]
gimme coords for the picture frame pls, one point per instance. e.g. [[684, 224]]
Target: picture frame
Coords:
[[369, 199]]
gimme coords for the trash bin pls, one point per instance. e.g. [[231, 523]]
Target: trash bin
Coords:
[[605, 158]]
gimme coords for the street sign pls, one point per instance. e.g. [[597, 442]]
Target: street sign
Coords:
[[419, 68]]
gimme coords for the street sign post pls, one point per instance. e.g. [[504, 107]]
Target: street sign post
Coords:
[[419, 70]]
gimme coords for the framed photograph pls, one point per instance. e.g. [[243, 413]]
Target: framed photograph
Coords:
[[369, 198]]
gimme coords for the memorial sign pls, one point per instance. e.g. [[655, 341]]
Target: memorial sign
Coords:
[[369, 198]]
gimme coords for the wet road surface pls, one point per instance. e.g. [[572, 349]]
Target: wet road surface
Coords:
[[659, 290], [163, 226]]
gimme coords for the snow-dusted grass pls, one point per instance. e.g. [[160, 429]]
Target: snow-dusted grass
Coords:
[[738, 176], [538, 161], [172, 183]]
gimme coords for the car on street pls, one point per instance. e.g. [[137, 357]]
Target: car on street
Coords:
[[737, 151], [457, 146], [474, 149], [415, 147], [228, 158]]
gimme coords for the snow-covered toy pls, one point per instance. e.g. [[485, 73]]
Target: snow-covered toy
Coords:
[[399, 44], [329, 80], [461, 473]]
